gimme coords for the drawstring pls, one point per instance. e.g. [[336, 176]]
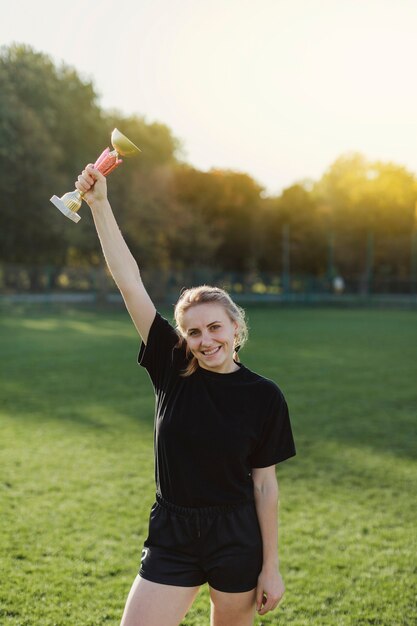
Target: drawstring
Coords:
[[198, 524]]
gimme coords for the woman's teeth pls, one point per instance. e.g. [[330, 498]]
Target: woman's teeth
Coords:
[[210, 352]]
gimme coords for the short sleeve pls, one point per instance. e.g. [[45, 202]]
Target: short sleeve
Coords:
[[156, 356], [277, 442]]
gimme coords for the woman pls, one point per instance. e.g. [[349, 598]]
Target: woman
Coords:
[[219, 431]]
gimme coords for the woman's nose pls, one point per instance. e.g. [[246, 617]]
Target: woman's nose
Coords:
[[205, 339]]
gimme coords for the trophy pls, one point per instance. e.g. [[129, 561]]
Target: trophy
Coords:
[[70, 203]]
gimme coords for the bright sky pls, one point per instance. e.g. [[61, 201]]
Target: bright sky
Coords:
[[274, 88]]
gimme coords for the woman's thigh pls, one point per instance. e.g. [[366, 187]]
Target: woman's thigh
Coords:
[[153, 604], [232, 608]]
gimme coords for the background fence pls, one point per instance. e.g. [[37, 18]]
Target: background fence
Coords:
[[48, 283]]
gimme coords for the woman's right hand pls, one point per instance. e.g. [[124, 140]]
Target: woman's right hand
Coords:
[[93, 185]]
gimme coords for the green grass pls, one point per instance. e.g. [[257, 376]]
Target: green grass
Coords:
[[77, 483]]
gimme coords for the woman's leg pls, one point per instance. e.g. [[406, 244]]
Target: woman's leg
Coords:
[[232, 608], [154, 604]]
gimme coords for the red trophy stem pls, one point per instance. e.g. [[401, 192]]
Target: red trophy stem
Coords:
[[107, 162]]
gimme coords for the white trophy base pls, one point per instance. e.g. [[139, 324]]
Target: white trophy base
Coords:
[[72, 215]]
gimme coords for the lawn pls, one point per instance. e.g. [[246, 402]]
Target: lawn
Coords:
[[77, 482]]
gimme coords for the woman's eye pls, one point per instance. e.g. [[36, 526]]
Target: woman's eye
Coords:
[[215, 326]]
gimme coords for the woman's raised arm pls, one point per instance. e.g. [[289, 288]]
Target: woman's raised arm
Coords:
[[122, 265]]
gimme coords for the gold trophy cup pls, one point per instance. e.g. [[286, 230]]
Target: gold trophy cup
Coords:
[[70, 203]]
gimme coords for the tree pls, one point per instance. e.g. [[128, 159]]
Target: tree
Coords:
[[226, 204], [48, 117], [297, 209], [359, 198]]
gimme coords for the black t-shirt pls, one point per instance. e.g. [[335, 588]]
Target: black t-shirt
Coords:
[[210, 429]]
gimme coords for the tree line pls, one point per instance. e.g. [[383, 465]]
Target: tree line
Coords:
[[173, 215]]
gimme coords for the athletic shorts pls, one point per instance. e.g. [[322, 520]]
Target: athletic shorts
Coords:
[[188, 546]]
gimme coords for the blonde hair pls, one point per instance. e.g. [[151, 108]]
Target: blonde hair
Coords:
[[203, 295]]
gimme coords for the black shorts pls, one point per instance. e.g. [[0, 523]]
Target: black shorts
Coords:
[[188, 546]]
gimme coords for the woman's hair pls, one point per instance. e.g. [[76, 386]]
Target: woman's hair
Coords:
[[203, 295]]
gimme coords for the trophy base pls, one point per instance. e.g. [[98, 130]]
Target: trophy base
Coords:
[[72, 215]]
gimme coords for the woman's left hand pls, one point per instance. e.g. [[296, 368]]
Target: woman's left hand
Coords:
[[269, 590]]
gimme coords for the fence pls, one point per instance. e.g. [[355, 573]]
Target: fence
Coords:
[[47, 283]]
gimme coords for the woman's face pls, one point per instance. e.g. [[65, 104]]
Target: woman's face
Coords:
[[210, 334]]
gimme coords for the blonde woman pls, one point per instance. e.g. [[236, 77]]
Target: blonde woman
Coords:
[[220, 429]]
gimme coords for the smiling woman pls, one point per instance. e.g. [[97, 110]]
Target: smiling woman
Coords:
[[219, 431]]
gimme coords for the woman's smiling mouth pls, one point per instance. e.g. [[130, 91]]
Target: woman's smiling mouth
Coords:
[[211, 352]]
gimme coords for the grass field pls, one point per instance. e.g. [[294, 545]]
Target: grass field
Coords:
[[77, 482]]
